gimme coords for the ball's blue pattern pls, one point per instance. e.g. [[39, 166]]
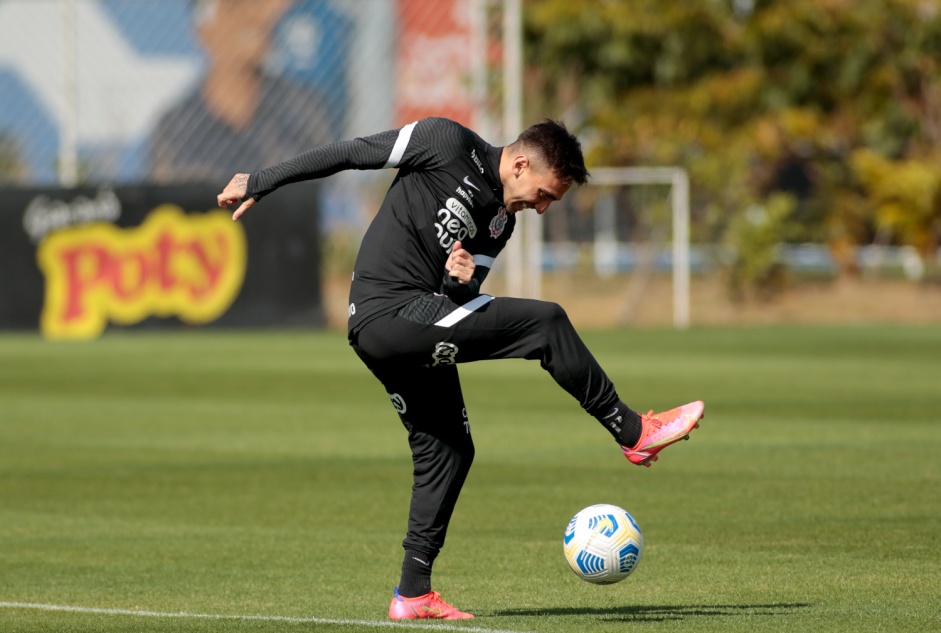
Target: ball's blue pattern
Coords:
[[589, 563]]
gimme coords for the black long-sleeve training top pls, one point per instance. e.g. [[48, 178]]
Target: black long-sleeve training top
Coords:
[[448, 189]]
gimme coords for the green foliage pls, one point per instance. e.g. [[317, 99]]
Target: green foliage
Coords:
[[753, 239], [744, 93], [906, 195]]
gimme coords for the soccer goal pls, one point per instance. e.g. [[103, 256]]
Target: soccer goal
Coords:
[[627, 231]]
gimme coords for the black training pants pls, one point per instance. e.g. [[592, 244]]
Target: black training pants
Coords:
[[414, 352]]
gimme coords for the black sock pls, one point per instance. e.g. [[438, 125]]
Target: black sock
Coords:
[[416, 574], [623, 423]]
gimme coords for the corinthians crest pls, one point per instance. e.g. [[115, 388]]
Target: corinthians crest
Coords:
[[498, 223]]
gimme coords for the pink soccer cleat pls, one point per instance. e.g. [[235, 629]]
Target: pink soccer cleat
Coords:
[[663, 429], [429, 605]]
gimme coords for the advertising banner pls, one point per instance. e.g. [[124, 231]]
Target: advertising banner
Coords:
[[74, 262], [167, 90], [434, 54]]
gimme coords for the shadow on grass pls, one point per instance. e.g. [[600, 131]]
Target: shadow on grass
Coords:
[[664, 613]]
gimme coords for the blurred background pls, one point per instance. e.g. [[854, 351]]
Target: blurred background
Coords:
[[791, 148]]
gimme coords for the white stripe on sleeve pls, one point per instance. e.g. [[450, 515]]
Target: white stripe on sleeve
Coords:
[[484, 260], [398, 150], [462, 312]]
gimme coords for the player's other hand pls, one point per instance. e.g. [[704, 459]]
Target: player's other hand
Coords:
[[233, 193], [460, 264]]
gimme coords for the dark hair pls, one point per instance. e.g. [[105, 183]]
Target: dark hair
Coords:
[[558, 147]]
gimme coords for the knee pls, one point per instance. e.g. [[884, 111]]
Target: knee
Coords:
[[554, 325], [551, 315], [463, 455], [452, 465], [446, 457]]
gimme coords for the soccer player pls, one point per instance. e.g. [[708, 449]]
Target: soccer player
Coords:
[[416, 309]]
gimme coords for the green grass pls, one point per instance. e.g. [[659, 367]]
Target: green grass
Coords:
[[267, 474]]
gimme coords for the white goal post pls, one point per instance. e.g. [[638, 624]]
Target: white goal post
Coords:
[[526, 255], [678, 180]]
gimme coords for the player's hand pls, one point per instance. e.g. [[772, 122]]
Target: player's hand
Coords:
[[234, 192], [460, 264]]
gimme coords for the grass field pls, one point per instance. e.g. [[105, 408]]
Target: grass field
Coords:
[[234, 474]]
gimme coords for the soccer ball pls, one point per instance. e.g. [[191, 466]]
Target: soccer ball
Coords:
[[603, 544]]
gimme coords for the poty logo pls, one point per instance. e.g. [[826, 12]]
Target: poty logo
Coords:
[[188, 266]]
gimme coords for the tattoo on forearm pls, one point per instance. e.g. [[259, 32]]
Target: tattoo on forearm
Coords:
[[240, 180]]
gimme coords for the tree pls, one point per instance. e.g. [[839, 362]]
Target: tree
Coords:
[[757, 98]]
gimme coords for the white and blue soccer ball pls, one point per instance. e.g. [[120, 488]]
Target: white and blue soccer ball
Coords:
[[603, 544]]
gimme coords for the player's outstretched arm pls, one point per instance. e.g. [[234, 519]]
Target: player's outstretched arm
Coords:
[[393, 148], [233, 193]]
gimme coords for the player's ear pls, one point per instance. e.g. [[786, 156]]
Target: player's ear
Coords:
[[520, 163]]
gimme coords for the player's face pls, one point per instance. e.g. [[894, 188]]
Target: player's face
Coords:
[[532, 186], [238, 32]]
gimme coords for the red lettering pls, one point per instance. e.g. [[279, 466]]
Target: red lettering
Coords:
[[212, 270], [190, 267], [129, 274], [164, 248], [85, 267]]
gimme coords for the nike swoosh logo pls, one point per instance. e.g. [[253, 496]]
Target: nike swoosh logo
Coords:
[[469, 183]]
